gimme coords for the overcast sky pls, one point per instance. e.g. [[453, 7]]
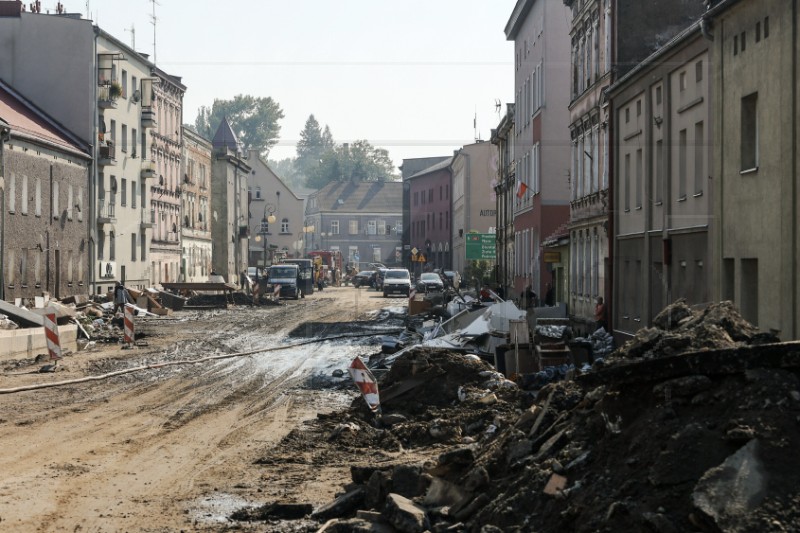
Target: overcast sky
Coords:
[[407, 75]]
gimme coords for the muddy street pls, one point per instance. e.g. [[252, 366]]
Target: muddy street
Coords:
[[174, 448]]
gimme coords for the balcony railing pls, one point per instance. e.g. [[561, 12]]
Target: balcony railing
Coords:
[[148, 218], [106, 211], [148, 169], [107, 154], [105, 98]]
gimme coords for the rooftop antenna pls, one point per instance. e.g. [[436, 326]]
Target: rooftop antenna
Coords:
[[497, 107], [153, 20], [475, 123], [132, 29]]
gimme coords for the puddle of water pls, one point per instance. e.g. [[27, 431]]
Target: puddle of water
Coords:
[[216, 509]]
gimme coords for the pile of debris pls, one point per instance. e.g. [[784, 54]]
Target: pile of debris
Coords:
[[673, 437]]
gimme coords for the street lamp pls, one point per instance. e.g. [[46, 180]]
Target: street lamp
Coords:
[[269, 218]]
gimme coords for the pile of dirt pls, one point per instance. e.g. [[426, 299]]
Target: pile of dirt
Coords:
[[680, 329], [670, 441]]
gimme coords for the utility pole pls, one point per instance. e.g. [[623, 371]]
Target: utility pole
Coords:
[[153, 20], [132, 29]]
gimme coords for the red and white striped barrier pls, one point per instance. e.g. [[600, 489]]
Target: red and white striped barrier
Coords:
[[366, 383], [411, 294], [51, 334], [128, 330], [276, 292]]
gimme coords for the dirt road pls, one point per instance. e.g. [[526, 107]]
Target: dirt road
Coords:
[[173, 448]]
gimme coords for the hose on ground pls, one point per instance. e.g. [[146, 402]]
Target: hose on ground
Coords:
[[108, 375]]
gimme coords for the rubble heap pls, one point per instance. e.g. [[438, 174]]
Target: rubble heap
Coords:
[[684, 437], [680, 329]]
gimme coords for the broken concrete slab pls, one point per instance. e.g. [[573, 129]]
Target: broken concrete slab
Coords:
[[728, 493], [21, 316], [344, 505], [405, 515]]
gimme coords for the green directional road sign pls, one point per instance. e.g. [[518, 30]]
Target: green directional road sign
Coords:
[[481, 246]]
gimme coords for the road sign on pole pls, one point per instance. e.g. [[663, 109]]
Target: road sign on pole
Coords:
[[481, 246]]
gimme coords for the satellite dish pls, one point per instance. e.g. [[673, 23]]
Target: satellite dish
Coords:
[[136, 96]]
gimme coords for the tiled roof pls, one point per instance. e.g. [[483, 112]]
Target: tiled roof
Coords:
[[438, 166], [366, 196], [25, 119]]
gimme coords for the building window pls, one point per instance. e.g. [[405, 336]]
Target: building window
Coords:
[[766, 27], [124, 83], [376, 254], [659, 173], [134, 141], [639, 178], [38, 199], [112, 246], [698, 71], [133, 246], [699, 158], [353, 227], [639, 108], [12, 193], [123, 201], [682, 164], [749, 133], [758, 31], [133, 194], [372, 226], [258, 193], [285, 225], [55, 199], [658, 95], [682, 81], [627, 114], [24, 198], [627, 182], [334, 227], [382, 229], [744, 41], [735, 44]]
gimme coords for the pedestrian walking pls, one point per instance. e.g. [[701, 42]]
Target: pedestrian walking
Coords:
[[120, 297], [600, 318]]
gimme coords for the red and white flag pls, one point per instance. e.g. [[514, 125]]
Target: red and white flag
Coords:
[[366, 383], [521, 189]]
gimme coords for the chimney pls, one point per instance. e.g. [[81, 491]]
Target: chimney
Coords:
[[11, 8]]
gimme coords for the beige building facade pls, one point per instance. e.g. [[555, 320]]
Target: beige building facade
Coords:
[[755, 51], [196, 208], [662, 181]]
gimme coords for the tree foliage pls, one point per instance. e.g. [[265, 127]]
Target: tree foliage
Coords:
[[358, 161], [310, 147], [254, 120], [288, 172]]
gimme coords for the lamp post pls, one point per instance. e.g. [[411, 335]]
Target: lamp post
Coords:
[[269, 218]]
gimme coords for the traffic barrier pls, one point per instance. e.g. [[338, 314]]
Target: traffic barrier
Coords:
[[51, 334], [128, 330]]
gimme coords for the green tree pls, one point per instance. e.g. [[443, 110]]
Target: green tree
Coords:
[[310, 147], [357, 161], [254, 120]]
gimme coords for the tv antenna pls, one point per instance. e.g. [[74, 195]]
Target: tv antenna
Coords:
[[153, 20], [497, 107], [132, 29]]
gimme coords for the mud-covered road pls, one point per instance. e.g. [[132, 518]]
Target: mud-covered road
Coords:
[[174, 448]]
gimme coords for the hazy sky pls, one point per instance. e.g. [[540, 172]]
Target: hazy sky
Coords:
[[408, 75]]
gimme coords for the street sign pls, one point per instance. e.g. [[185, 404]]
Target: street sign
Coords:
[[481, 246]]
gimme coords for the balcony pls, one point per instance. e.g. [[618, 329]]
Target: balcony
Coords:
[[148, 218], [106, 212], [148, 169], [148, 117], [107, 154], [107, 97]]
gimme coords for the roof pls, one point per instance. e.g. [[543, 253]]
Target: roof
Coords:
[[28, 121], [362, 196], [225, 137], [438, 166]]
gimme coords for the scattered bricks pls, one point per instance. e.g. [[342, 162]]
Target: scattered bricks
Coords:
[[344, 505], [658, 523], [378, 486], [527, 418], [405, 515], [476, 479], [518, 450], [407, 481], [681, 387], [474, 506], [361, 474], [443, 493], [555, 484]]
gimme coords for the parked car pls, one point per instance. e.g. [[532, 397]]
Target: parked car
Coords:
[[396, 280], [430, 281], [286, 276], [363, 278]]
